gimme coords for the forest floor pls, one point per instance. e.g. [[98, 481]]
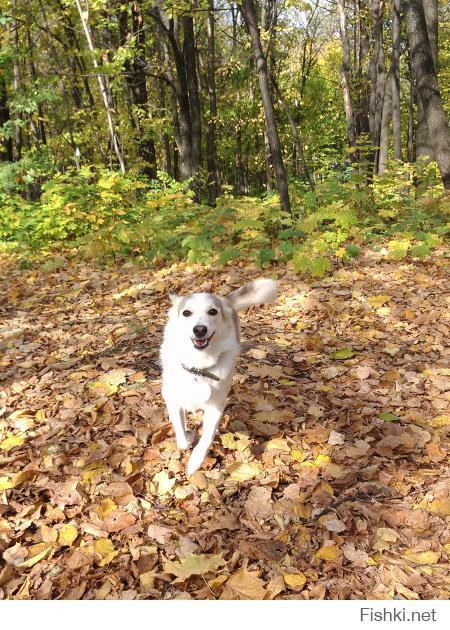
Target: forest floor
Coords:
[[329, 478]]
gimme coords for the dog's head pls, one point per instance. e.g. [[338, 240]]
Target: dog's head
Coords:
[[200, 317]]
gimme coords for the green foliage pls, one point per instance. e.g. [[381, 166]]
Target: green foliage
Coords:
[[109, 215]]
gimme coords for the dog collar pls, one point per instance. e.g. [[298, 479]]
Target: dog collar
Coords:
[[200, 372]]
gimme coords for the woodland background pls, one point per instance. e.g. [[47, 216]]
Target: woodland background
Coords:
[[280, 130]]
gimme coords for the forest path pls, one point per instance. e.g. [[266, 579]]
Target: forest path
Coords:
[[329, 478]]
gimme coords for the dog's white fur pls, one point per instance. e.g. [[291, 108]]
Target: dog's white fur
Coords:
[[184, 391]]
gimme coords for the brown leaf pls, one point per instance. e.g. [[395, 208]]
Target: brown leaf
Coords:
[[244, 585], [259, 504], [117, 520]]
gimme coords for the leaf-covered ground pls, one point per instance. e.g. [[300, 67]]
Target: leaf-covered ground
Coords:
[[329, 478]]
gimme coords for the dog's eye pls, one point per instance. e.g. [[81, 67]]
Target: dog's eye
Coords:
[[212, 311], [187, 313]]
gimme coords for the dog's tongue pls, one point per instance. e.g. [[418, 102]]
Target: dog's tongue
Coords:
[[200, 342]]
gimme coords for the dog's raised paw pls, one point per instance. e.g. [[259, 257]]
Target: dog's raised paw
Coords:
[[195, 461], [182, 445]]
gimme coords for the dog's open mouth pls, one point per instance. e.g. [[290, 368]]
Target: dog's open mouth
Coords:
[[201, 344]]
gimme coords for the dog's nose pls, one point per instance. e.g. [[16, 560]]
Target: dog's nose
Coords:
[[200, 331]]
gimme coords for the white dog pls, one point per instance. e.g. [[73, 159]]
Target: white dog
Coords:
[[198, 354]]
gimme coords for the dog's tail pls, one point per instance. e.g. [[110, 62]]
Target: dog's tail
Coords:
[[259, 291]]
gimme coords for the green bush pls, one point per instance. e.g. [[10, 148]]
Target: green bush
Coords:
[[109, 215]]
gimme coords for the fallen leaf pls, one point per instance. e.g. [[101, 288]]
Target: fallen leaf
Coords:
[[335, 525], [296, 581], [193, 564], [329, 552], [36, 553], [258, 504], [243, 471], [245, 585], [388, 417], [104, 548], [11, 442], [278, 444], [67, 535], [422, 557], [117, 520], [161, 483], [378, 300], [441, 507], [343, 353]]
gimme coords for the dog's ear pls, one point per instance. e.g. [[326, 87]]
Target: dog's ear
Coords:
[[173, 297]]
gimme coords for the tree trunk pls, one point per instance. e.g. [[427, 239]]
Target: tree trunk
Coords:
[[423, 142], [298, 143], [38, 130], [248, 11], [6, 147], [395, 89], [138, 85], [385, 125], [345, 74], [166, 140], [377, 78], [18, 136], [103, 89], [362, 79], [427, 87], [184, 89], [267, 162], [411, 102], [194, 97], [211, 146]]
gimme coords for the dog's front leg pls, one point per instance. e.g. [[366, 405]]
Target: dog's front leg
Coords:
[[211, 418], [177, 417]]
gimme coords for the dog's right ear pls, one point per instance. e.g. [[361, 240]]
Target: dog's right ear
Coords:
[[173, 297]]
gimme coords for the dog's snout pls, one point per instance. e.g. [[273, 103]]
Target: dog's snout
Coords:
[[200, 331]]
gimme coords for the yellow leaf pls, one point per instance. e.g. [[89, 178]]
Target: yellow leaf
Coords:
[[378, 300], [298, 455], [242, 471], [181, 493], [322, 459], [106, 506], [193, 564], [10, 442], [441, 421], [278, 444], [114, 377], [235, 441], [331, 552], [296, 581], [217, 581], [441, 507], [147, 579], [5, 483], [67, 534], [105, 549], [422, 557], [36, 554], [245, 585], [161, 483], [20, 477], [103, 389]]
